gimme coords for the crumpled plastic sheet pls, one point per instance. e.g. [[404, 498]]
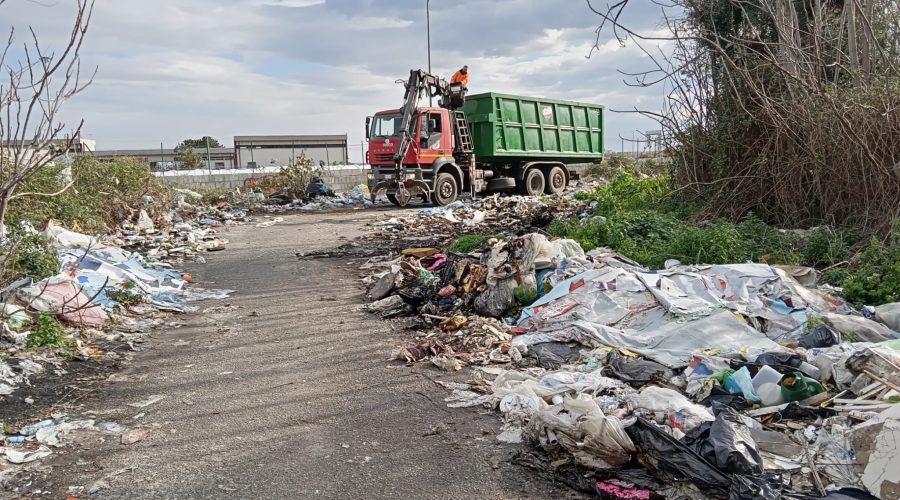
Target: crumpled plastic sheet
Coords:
[[667, 316], [62, 296], [578, 425]]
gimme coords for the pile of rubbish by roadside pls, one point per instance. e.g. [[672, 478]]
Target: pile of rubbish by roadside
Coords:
[[494, 214], [317, 197], [109, 291], [739, 381]]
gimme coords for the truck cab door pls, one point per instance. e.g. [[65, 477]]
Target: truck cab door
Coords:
[[434, 136]]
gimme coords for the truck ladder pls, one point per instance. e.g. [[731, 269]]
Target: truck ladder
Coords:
[[461, 125]]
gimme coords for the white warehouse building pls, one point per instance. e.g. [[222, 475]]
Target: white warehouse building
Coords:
[[252, 151]]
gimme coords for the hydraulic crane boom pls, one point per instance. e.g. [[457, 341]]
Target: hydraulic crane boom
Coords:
[[420, 82]]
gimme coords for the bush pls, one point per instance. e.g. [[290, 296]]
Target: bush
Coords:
[[614, 163], [874, 278], [102, 195], [27, 254], [827, 246], [47, 332], [127, 295], [293, 179]]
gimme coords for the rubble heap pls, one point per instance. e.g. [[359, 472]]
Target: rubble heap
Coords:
[[739, 381]]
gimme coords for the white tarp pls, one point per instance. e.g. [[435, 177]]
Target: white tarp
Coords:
[[668, 315]]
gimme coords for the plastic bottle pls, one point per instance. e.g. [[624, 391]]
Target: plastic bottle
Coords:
[[766, 375], [795, 387], [770, 394]]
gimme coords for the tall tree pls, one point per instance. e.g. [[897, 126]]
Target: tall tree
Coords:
[[201, 142], [32, 91], [187, 158]]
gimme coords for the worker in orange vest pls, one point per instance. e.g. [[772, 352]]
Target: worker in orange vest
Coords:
[[461, 76]]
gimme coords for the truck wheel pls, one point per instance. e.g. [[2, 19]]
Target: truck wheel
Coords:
[[445, 190], [533, 184], [556, 181]]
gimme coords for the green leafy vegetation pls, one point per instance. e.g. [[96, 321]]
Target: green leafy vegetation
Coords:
[[27, 254], [639, 218], [127, 295], [100, 197], [470, 242], [47, 332]]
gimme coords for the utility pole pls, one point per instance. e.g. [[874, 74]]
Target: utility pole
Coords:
[[428, 29], [162, 159], [362, 151], [208, 161]]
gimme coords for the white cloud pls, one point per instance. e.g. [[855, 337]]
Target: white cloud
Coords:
[[171, 69], [288, 3]]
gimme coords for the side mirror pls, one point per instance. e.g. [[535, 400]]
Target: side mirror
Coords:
[[368, 127]]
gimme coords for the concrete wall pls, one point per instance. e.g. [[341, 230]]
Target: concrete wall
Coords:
[[337, 178]]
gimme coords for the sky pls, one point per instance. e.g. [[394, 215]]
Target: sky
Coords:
[[174, 69]]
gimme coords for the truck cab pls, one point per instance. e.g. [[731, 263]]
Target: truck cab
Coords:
[[430, 156]]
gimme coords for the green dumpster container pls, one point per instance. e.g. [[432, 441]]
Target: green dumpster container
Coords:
[[509, 128]]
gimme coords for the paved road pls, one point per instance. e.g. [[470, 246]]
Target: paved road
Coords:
[[285, 392]]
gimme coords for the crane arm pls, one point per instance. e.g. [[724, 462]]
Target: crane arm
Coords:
[[452, 97]]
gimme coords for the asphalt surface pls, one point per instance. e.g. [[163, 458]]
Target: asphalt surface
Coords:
[[284, 391]]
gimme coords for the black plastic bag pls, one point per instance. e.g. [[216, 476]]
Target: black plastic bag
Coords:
[[673, 460], [734, 448], [719, 397], [781, 361], [635, 372], [552, 355], [820, 336]]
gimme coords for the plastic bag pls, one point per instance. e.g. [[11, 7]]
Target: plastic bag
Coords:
[[494, 301], [735, 450], [672, 460], [820, 336], [744, 382], [889, 314], [636, 372]]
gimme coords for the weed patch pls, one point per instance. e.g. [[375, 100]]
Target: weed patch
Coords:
[[466, 243], [47, 332]]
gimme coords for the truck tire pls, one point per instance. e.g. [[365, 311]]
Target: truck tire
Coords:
[[556, 181], [393, 198], [445, 190], [533, 183]]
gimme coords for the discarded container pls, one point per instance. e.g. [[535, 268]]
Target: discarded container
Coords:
[[796, 387], [766, 375], [770, 394]]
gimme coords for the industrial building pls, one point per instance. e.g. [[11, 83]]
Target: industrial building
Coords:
[[164, 159], [275, 150]]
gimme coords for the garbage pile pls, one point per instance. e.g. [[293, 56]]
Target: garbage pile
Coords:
[[494, 214], [96, 282], [317, 197], [184, 231], [739, 381]]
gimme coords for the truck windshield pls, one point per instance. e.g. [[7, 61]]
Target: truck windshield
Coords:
[[384, 126]]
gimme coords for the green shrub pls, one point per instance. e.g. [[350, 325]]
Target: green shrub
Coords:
[[874, 278], [101, 196], [27, 254], [47, 332], [466, 243], [127, 295], [827, 246]]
